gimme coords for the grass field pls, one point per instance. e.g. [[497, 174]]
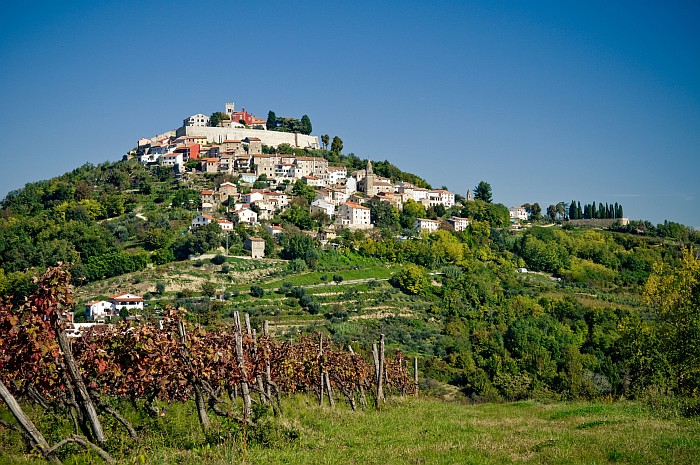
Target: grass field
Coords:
[[416, 431]]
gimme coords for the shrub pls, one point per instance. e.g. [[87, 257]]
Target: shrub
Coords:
[[297, 292], [257, 291], [218, 259], [297, 265]]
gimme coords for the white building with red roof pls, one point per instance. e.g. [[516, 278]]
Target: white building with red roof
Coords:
[[99, 310], [130, 302], [353, 215]]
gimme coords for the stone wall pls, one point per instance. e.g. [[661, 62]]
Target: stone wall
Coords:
[[600, 223], [271, 138]]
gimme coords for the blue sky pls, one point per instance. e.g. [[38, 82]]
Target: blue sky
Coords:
[[546, 101]]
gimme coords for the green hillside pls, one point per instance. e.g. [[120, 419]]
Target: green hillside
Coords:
[[548, 313]]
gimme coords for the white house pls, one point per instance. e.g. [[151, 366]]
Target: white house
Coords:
[[320, 205], [225, 225], [99, 310], [252, 196], [201, 220], [274, 229], [424, 224], [336, 174], [460, 224], [314, 181], [129, 302], [246, 216], [441, 197], [518, 213], [172, 159], [354, 216], [198, 120]]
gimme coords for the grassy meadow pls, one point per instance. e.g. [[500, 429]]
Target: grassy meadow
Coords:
[[408, 431]]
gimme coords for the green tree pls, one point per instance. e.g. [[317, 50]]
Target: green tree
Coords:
[[483, 192], [305, 125], [297, 246], [552, 212], [411, 279], [271, 120], [208, 289], [411, 211], [337, 144], [673, 295], [383, 214], [217, 117], [325, 140], [257, 291], [302, 189]]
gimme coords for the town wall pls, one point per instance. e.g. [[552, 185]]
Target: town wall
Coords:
[[271, 138], [600, 222]]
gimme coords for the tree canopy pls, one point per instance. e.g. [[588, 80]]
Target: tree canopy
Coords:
[[483, 192]]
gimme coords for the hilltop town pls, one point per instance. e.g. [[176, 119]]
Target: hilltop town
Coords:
[[251, 153]]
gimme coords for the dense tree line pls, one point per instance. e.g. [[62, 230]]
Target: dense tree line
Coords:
[[591, 211]]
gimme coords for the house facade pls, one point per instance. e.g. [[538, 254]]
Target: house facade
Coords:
[[256, 246], [354, 216]]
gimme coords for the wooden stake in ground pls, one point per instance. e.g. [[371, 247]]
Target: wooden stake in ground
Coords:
[[363, 399], [328, 388], [415, 376], [245, 391], [320, 368], [380, 375]]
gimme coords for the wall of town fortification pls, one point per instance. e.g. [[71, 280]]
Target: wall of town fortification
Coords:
[[271, 138], [600, 222]]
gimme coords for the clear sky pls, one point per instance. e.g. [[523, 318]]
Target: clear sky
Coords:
[[546, 101]]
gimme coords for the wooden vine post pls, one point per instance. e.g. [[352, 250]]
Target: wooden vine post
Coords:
[[320, 368], [198, 394], [38, 440], [380, 374], [363, 399], [268, 369], [415, 376], [85, 403], [245, 391]]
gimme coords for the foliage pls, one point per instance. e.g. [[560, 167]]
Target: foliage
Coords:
[[271, 122], [217, 117], [673, 296], [336, 145], [257, 291], [483, 192], [411, 279]]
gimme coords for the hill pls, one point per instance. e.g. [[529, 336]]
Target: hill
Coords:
[[543, 312]]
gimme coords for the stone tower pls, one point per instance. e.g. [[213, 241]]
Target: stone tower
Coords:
[[369, 179], [230, 108], [470, 196]]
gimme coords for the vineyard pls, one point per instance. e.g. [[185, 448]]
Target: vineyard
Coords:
[[225, 372]]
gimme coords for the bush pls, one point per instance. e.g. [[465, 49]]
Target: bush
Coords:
[[297, 265], [337, 278], [285, 288], [314, 308], [218, 259], [297, 292], [257, 291]]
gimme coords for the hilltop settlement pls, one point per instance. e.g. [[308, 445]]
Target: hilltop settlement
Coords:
[[253, 155]]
